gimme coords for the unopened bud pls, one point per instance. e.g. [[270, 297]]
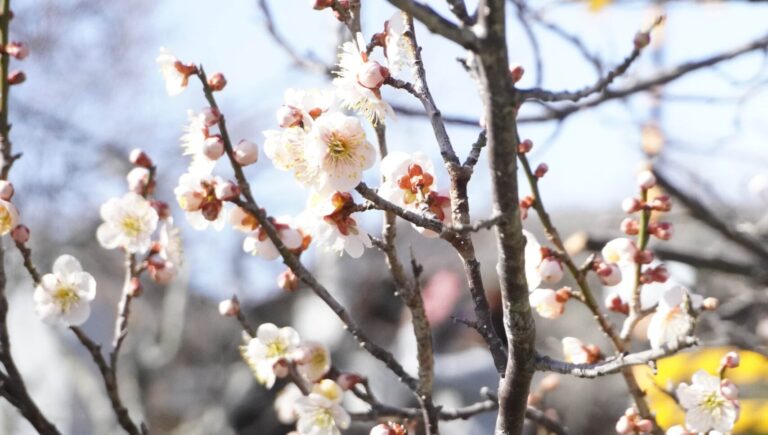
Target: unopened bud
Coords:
[[139, 158], [162, 209], [138, 180], [229, 307], [19, 50], [631, 205], [710, 304], [213, 147], [16, 77], [525, 146], [730, 360], [661, 203], [615, 304], [644, 257], [659, 273], [288, 280], [347, 381], [6, 190], [516, 72], [644, 426], [372, 75], [162, 272], [322, 4], [630, 227], [134, 287], [288, 116], [641, 40], [217, 81], [246, 153], [551, 270], [608, 273], [226, 191], [662, 230], [541, 170], [646, 179], [211, 116], [20, 234]]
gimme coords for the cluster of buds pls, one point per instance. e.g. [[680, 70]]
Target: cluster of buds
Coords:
[[632, 423], [660, 203], [140, 178], [20, 51]]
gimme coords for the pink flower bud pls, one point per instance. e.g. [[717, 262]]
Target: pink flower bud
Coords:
[[226, 191], [134, 288], [288, 280], [348, 380], [19, 50], [246, 153], [20, 234], [630, 227], [730, 360], [139, 158], [631, 205], [641, 40], [551, 270], [288, 116], [138, 178], [662, 230], [217, 81], [729, 390], [372, 75], [6, 190], [644, 257], [643, 426], [16, 77], [516, 72], [229, 307], [661, 203], [162, 209], [615, 304], [525, 146], [211, 116], [710, 304], [322, 4], [646, 179], [213, 147], [659, 274], [541, 170], [608, 273]]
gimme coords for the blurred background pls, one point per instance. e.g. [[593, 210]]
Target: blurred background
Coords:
[[93, 92]]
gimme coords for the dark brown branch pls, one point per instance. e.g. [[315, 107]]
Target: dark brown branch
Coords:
[[410, 216], [436, 23]]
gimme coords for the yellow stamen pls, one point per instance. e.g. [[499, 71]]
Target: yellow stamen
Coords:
[[65, 298]]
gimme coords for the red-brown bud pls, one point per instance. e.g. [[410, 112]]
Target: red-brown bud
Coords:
[[217, 81]]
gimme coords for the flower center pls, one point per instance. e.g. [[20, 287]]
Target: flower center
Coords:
[[65, 298], [276, 348], [5, 220], [712, 401], [323, 418], [131, 226], [338, 147]]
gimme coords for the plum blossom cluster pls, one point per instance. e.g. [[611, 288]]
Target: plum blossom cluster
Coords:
[[542, 266], [140, 225], [279, 352]]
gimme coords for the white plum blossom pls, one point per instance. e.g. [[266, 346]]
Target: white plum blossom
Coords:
[[129, 222], [329, 219], [408, 178], [532, 260], [9, 217], [706, 406], [196, 195], [338, 147], [303, 106], [175, 73], [359, 80], [620, 251], [64, 296], [397, 49], [270, 346], [313, 360], [285, 401], [259, 244], [576, 352], [320, 412], [171, 245], [671, 320], [243, 221], [286, 148], [547, 302]]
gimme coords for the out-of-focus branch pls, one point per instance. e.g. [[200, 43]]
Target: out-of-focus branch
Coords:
[[436, 23], [616, 364], [701, 212]]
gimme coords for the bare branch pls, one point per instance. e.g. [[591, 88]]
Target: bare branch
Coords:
[[436, 23]]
